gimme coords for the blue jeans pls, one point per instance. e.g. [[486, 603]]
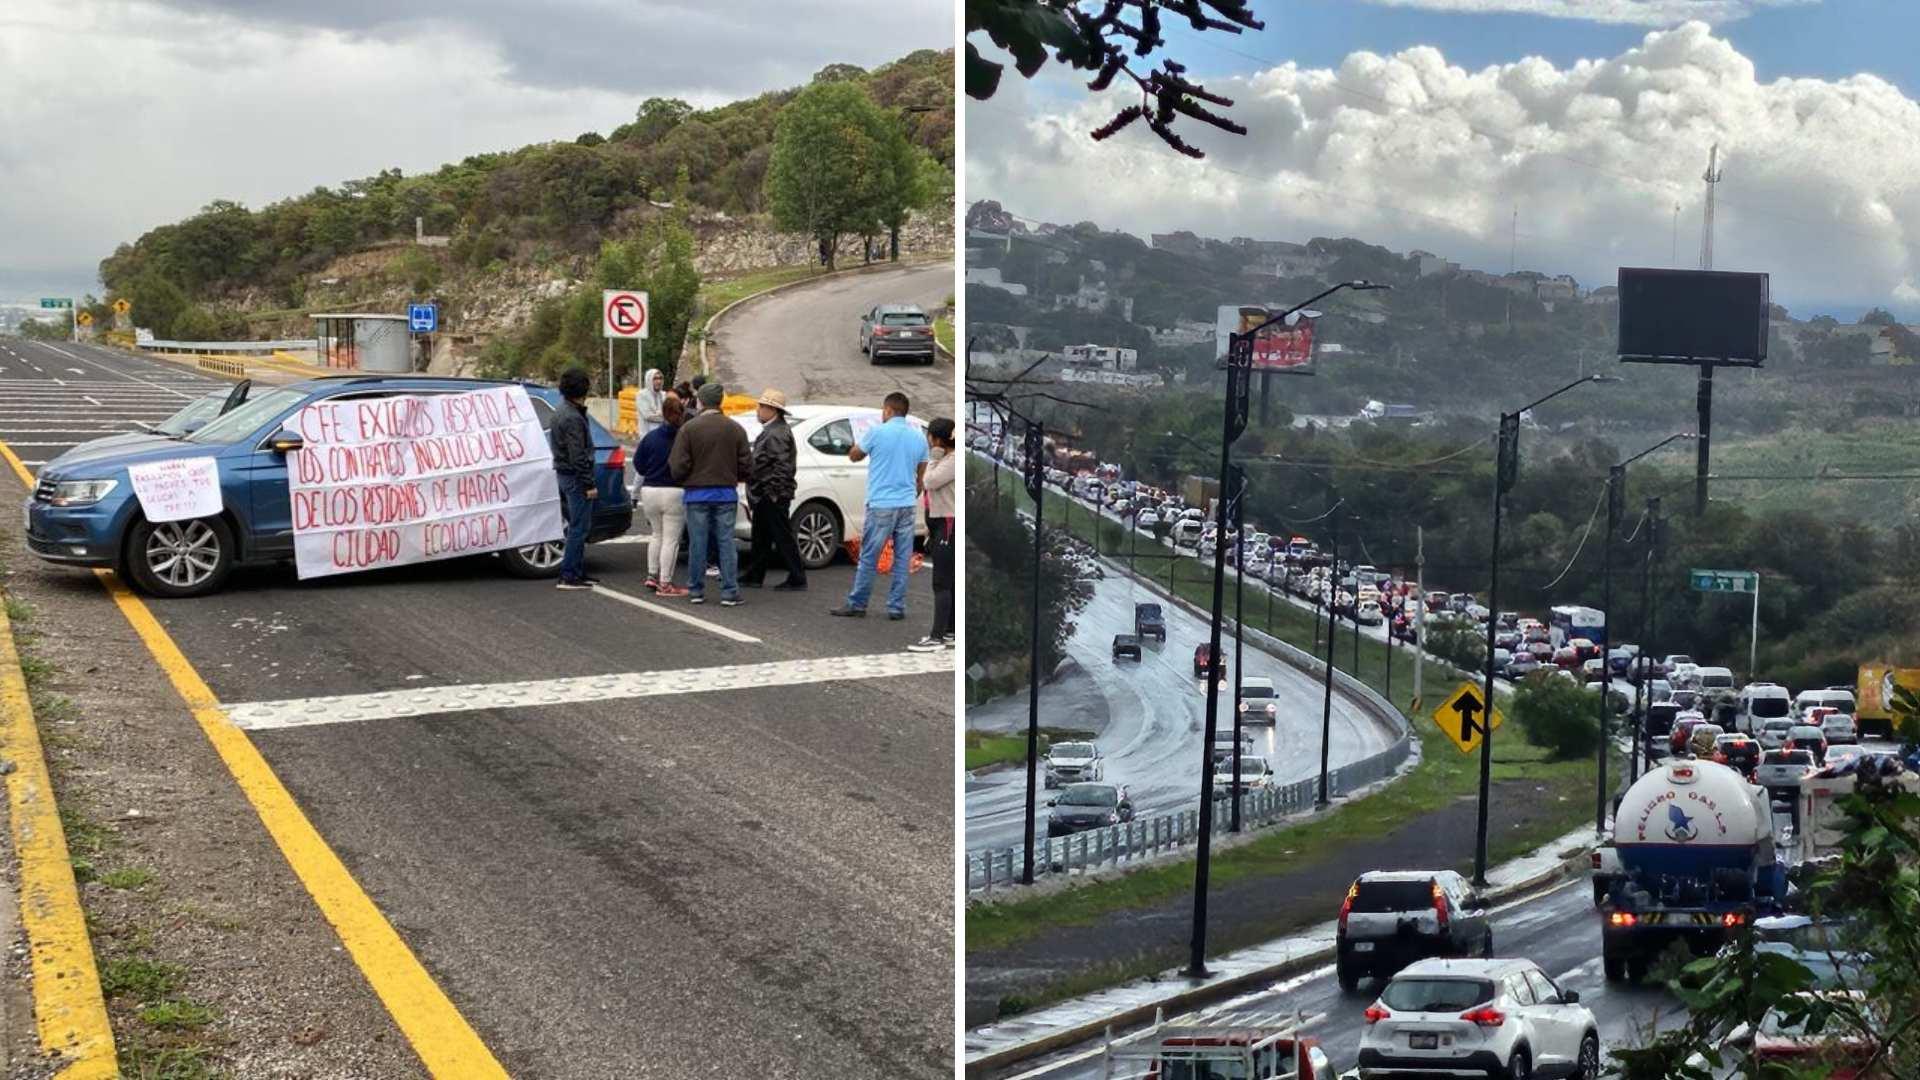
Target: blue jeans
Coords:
[[579, 517], [711, 523], [895, 523]]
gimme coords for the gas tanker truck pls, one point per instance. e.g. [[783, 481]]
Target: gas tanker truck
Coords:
[[1695, 844]]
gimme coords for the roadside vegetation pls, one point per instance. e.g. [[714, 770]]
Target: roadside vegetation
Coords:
[[1834, 587], [161, 1031], [984, 749]]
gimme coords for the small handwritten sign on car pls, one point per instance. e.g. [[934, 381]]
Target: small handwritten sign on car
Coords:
[[177, 489]]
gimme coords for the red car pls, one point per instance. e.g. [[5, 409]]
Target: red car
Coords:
[[1566, 658], [1202, 657]]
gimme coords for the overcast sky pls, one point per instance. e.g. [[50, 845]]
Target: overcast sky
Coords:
[[124, 114], [1428, 123]]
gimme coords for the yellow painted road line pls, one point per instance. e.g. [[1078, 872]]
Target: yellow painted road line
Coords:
[[447, 1045], [67, 1004]]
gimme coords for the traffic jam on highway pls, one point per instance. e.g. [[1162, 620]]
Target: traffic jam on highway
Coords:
[[1731, 811]]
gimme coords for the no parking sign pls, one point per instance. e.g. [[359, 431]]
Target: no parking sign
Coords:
[[623, 313]]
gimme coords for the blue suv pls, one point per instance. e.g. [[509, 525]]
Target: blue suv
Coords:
[[84, 513]]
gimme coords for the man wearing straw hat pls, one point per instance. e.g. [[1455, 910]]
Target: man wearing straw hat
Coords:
[[769, 494]]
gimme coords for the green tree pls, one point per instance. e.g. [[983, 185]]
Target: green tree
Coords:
[[828, 164], [907, 186], [157, 302], [1558, 715]]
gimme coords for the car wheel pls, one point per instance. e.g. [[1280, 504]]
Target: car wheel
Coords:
[[180, 558], [1520, 1065], [1587, 1067], [1616, 968], [1348, 978], [1486, 947], [818, 533], [540, 560], [1599, 893]]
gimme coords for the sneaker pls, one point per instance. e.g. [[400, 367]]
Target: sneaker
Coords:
[[925, 645], [653, 584], [946, 641], [565, 583], [731, 601], [696, 598], [713, 571], [848, 612], [589, 579], [791, 585], [670, 589], [896, 616]]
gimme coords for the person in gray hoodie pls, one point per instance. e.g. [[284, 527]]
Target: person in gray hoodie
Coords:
[[649, 402]]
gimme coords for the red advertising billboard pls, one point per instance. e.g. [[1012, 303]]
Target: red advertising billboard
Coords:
[[1277, 348]]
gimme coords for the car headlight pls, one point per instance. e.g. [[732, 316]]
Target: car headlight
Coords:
[[81, 492]]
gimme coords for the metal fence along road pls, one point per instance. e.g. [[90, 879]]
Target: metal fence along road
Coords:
[[999, 868]]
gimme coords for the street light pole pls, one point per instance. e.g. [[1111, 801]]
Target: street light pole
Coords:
[[1036, 476], [1506, 472], [1239, 480], [1326, 701]]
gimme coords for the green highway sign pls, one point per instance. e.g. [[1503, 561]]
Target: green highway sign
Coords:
[[56, 302], [1736, 581]]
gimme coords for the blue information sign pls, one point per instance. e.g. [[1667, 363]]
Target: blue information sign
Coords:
[[423, 318]]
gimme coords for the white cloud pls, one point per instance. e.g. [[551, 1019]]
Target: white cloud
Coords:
[[125, 114], [1821, 188], [1631, 12]]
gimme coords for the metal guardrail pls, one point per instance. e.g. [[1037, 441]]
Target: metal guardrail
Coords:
[[999, 868], [263, 348]]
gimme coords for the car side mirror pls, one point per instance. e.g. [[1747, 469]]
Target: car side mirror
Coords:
[[286, 442], [1050, 802], [1476, 902], [1569, 997]]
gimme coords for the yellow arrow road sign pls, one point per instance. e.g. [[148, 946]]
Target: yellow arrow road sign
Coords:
[[1464, 717], [121, 306], [85, 318]]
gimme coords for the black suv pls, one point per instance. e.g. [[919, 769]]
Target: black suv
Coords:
[[1149, 623], [1126, 645], [1087, 806], [1389, 919]]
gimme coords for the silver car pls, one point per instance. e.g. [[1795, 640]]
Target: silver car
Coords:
[[1773, 733], [1073, 763]]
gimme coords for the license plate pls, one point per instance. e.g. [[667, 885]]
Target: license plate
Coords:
[[1363, 946], [1423, 1042]]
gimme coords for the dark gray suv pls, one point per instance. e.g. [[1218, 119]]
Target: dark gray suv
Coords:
[[1389, 919], [896, 332]]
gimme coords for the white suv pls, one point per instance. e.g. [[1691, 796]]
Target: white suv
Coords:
[[1501, 1018]]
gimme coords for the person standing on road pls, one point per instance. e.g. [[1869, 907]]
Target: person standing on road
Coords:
[[937, 482], [572, 442], [710, 459], [650, 400], [769, 496], [661, 498], [896, 456]]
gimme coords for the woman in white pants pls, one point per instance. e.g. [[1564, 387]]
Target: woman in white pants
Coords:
[[662, 502]]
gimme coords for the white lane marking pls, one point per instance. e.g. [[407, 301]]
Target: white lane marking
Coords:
[[629, 538], [661, 609], [89, 398], [473, 697], [115, 371], [63, 382], [74, 371], [24, 461], [11, 442]]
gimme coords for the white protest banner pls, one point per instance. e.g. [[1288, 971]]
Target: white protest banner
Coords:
[[404, 479], [177, 489]]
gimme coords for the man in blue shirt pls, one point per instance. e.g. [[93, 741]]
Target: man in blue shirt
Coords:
[[896, 455]]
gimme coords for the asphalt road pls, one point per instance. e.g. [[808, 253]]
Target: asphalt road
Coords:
[[806, 341], [670, 864], [1557, 930], [1157, 716]]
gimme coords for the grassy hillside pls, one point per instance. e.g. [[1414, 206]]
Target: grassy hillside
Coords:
[[549, 205]]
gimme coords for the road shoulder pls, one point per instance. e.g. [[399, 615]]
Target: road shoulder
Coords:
[[213, 957]]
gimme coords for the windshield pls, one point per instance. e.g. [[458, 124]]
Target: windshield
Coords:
[[1073, 750], [1435, 995], [1716, 680], [1092, 795], [1789, 757], [192, 416], [903, 318], [1767, 707], [1248, 690], [244, 420]]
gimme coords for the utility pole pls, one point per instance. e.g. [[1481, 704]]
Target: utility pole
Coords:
[[1239, 485], [1616, 497], [1704, 396], [1420, 623]]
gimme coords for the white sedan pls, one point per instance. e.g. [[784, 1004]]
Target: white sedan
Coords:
[[830, 498]]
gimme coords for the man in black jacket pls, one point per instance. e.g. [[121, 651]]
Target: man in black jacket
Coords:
[[769, 494], [572, 443]]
